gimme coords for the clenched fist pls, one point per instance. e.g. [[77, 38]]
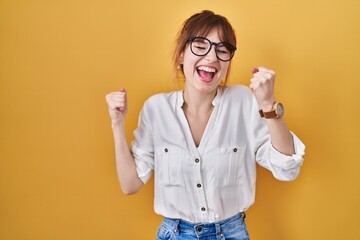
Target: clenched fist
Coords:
[[262, 85], [118, 107]]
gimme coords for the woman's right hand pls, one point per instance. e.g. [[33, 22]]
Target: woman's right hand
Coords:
[[118, 106]]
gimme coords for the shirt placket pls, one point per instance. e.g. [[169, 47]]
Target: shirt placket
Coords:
[[208, 214], [199, 190], [198, 184]]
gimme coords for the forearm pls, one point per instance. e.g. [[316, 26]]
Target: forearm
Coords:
[[125, 163], [281, 138]]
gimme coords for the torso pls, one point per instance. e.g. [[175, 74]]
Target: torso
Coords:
[[165, 144]]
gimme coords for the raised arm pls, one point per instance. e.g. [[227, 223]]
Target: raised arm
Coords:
[[125, 163], [262, 85]]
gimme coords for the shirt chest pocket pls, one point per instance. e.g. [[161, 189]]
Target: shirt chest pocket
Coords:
[[170, 166], [231, 165]]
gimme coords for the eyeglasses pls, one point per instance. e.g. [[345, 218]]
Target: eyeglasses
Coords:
[[201, 46]]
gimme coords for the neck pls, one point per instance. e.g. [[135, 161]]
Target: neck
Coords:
[[198, 103]]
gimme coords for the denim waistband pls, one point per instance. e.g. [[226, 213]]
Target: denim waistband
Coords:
[[205, 228]]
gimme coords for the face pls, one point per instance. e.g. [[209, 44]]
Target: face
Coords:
[[204, 73]]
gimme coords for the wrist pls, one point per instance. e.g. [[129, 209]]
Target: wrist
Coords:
[[277, 111], [267, 106], [117, 124]]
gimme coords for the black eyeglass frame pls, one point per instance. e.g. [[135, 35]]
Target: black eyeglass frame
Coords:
[[211, 44]]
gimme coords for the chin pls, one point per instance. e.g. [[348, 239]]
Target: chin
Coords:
[[207, 87]]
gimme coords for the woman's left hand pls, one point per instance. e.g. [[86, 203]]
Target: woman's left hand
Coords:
[[262, 85]]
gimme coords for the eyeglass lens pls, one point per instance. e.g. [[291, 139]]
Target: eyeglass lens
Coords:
[[202, 46]]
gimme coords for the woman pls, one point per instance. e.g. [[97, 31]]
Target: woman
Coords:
[[203, 143]]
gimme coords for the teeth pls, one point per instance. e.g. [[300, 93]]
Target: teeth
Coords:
[[207, 69]]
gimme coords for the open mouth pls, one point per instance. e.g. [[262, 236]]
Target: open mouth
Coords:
[[206, 73]]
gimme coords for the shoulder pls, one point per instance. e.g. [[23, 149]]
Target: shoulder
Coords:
[[238, 97], [237, 91], [161, 99]]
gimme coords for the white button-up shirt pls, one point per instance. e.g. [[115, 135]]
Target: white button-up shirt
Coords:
[[217, 179]]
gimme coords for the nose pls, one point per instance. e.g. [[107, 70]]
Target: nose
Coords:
[[211, 56]]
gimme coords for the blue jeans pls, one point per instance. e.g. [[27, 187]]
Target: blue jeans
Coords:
[[233, 228]]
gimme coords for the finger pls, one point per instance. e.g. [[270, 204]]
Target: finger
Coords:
[[261, 69], [113, 103], [109, 97], [123, 100], [118, 107], [254, 70], [264, 69], [255, 79], [118, 94], [254, 86], [123, 93], [251, 86], [117, 101], [263, 75], [114, 97], [259, 78]]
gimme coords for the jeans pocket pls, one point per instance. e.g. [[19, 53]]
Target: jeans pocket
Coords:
[[163, 233]]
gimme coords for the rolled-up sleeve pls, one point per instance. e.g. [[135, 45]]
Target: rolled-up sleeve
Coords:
[[288, 162], [143, 146], [283, 167]]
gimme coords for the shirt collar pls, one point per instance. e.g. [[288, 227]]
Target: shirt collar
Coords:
[[215, 101]]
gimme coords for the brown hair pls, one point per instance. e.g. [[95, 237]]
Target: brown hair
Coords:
[[200, 24]]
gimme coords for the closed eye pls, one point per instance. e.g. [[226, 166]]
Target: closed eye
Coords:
[[199, 47], [222, 51]]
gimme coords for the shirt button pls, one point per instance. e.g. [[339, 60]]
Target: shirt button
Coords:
[[199, 228], [166, 150], [197, 160], [198, 185], [203, 209], [235, 149]]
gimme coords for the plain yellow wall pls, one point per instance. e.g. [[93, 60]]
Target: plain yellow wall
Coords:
[[58, 60]]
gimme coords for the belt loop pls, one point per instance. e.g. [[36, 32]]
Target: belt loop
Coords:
[[219, 233], [243, 215], [176, 227]]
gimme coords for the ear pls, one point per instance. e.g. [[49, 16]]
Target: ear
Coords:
[[181, 58]]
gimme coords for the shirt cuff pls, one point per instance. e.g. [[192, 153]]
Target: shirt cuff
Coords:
[[145, 177], [288, 162], [143, 168]]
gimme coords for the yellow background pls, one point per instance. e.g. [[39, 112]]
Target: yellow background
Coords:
[[58, 60]]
